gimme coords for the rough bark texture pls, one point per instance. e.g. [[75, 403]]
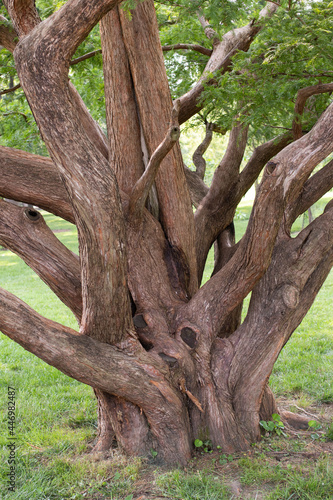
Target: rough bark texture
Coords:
[[168, 362], [145, 56]]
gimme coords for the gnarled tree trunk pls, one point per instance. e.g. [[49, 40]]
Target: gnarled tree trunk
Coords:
[[169, 361]]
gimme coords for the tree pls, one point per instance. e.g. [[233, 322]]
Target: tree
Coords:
[[169, 361]]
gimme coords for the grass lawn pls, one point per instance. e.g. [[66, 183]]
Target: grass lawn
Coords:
[[56, 417]]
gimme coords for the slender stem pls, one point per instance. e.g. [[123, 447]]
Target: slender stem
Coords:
[[143, 185]]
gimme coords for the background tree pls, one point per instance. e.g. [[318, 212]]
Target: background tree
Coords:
[[169, 360]]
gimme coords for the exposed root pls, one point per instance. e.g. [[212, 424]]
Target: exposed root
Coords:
[[294, 420]]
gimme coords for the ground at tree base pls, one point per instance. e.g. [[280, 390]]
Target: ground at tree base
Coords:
[[275, 464]]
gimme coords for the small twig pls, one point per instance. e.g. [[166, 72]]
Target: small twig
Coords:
[[16, 113], [209, 31], [85, 56], [189, 394], [72, 63], [188, 46], [12, 89], [143, 185], [198, 159], [311, 414]]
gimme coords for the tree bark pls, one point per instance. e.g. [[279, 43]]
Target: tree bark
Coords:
[[145, 56], [169, 363]]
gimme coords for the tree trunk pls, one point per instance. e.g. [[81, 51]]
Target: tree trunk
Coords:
[[169, 362]]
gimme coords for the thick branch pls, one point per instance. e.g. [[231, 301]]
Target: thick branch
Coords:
[[91, 127], [23, 14], [90, 182], [151, 85], [282, 178], [198, 159], [8, 36], [134, 375], [72, 63], [233, 41], [126, 155], [33, 179], [67, 27], [188, 46], [292, 289], [42, 186], [142, 187], [224, 185], [314, 188], [302, 96], [24, 231], [260, 156], [196, 186]]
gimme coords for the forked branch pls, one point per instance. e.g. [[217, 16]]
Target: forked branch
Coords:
[[85, 171], [281, 181], [69, 25], [221, 58], [142, 187], [314, 188], [127, 371]]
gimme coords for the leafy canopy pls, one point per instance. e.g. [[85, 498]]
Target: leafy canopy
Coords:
[[294, 50]]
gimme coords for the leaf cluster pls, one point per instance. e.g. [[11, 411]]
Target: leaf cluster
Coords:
[[273, 426], [293, 51]]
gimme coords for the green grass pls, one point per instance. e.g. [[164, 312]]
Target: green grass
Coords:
[[56, 416], [196, 486], [314, 485]]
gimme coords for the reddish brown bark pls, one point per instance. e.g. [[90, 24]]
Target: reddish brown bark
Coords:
[[24, 231], [302, 96], [168, 363], [42, 184], [8, 35], [121, 108], [145, 56]]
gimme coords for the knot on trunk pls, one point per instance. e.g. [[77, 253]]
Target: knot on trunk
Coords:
[[270, 167], [290, 296], [32, 215]]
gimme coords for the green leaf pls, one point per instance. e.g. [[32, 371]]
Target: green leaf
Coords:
[[198, 443], [314, 425]]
